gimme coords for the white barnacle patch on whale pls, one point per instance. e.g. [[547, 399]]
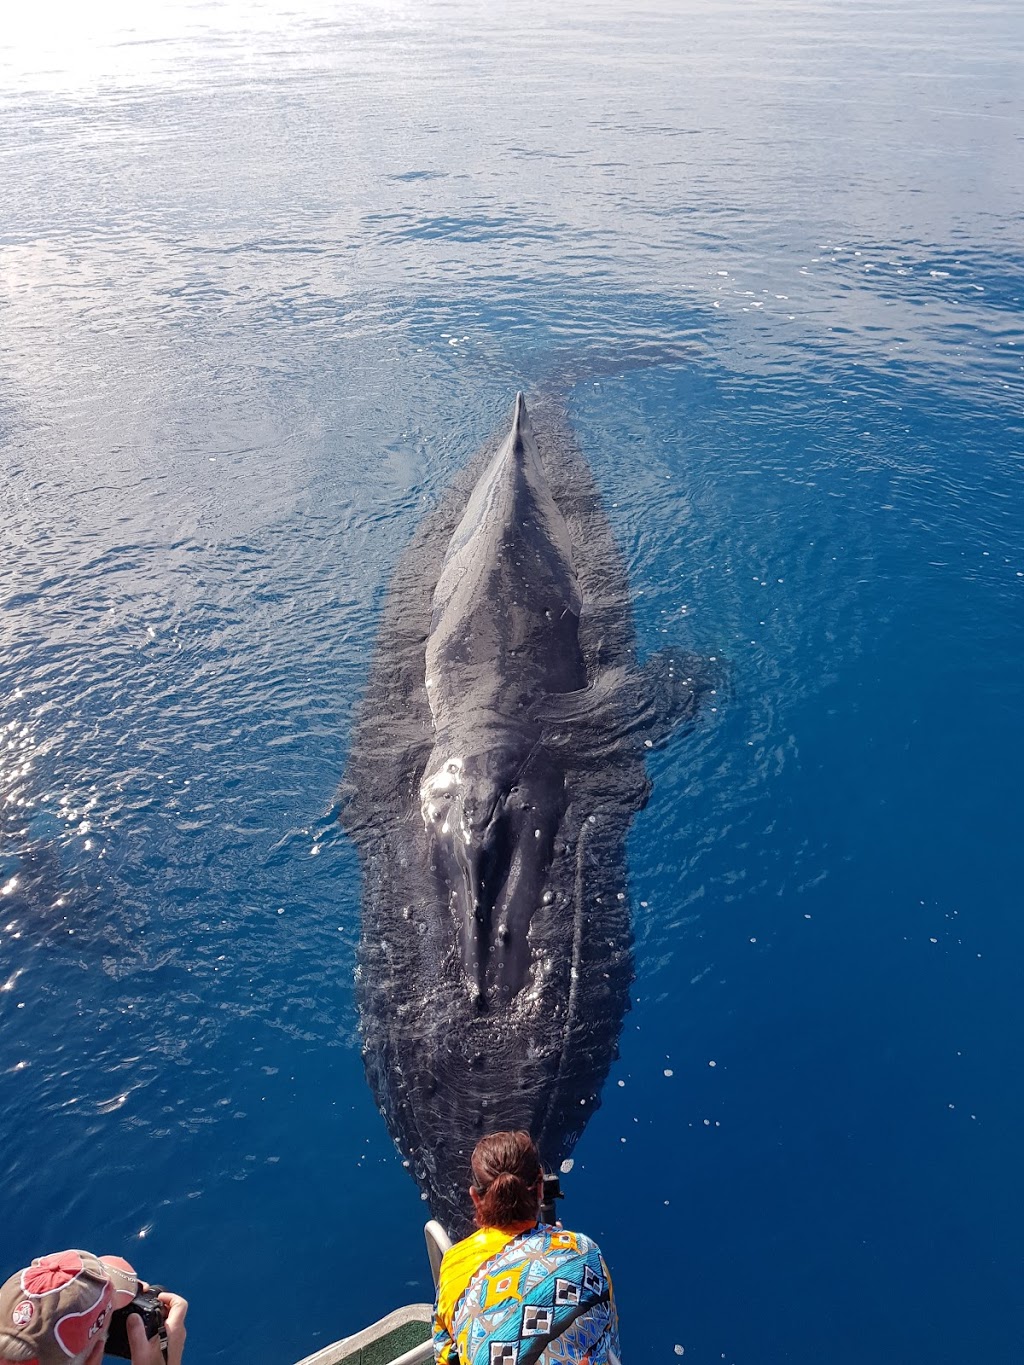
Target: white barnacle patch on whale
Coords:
[[436, 792]]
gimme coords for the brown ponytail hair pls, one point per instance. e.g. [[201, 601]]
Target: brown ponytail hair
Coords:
[[506, 1169]]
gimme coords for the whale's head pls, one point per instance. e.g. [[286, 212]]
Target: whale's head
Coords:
[[491, 819]]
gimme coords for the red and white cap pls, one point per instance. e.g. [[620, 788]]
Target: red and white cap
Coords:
[[60, 1305]]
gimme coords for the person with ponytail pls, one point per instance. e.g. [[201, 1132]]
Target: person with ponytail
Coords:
[[517, 1291]]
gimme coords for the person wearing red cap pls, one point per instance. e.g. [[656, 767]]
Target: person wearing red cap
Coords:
[[57, 1311]]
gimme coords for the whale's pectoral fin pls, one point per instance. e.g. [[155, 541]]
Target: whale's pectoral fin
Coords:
[[566, 715], [651, 702], [674, 684], [389, 753]]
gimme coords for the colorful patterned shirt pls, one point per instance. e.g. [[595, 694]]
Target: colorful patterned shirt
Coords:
[[533, 1296]]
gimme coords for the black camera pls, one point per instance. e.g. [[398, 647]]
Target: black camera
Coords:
[[149, 1309], [550, 1190]]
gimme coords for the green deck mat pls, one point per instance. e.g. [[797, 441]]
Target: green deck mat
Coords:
[[389, 1348]]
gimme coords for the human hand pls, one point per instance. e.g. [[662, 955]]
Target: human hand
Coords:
[[147, 1350]]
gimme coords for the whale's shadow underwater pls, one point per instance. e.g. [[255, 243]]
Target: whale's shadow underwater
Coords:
[[496, 764]]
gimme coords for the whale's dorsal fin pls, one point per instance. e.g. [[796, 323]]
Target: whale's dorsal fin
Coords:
[[520, 418]]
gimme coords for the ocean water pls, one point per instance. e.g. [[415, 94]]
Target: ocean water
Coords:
[[269, 273]]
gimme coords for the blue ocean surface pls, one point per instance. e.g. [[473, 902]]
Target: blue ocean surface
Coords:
[[269, 275]]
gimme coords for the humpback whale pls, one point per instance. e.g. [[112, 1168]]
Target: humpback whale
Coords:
[[496, 763]]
